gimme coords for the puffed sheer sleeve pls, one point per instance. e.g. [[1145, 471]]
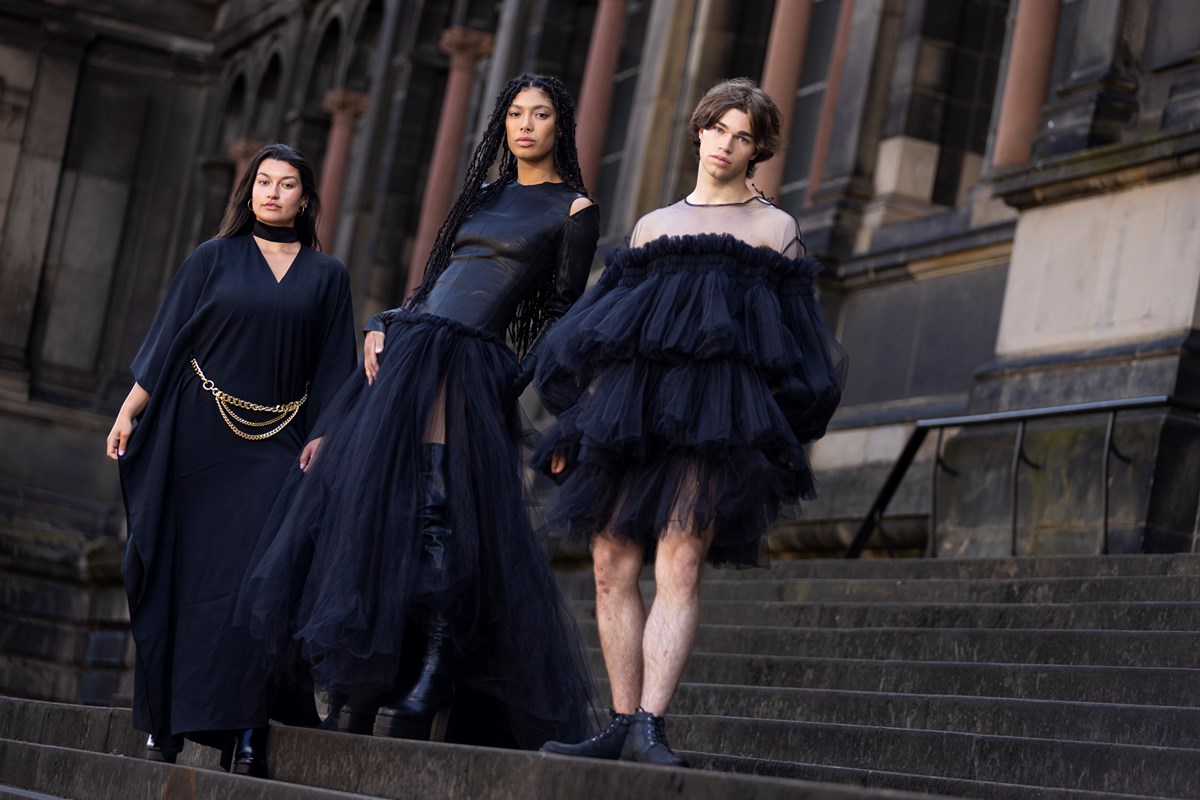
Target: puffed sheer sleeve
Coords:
[[339, 350], [177, 309], [573, 264]]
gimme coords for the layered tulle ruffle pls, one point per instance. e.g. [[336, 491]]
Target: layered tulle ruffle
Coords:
[[685, 383]]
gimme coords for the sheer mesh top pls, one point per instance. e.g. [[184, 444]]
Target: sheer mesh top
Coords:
[[755, 221]]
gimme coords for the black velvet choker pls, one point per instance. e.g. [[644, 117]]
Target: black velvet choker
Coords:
[[273, 233]]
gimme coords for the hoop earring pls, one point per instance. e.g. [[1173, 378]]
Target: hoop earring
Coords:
[[250, 204]]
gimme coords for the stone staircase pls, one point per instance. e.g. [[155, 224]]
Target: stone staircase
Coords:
[[1039, 677]]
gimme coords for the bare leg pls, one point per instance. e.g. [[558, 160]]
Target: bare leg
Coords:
[[674, 616], [435, 423], [620, 617]]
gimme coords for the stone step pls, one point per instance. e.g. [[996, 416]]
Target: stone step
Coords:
[[1114, 723], [1085, 684], [1150, 616], [869, 778], [1004, 646], [1100, 767], [304, 762], [938, 590], [83, 775], [579, 582]]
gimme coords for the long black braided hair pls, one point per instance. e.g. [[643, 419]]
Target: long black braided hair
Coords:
[[534, 311]]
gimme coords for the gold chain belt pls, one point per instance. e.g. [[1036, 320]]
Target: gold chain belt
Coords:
[[225, 403]]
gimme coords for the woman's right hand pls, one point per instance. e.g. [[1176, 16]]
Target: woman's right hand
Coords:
[[118, 437], [558, 461], [372, 347]]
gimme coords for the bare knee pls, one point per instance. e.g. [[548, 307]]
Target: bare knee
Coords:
[[617, 565], [679, 565]]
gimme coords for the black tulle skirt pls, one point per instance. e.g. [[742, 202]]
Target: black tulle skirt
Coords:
[[686, 382], [333, 596]]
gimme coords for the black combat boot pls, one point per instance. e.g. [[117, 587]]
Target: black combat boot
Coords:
[[606, 744], [647, 742]]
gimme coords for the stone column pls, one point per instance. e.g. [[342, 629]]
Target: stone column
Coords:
[[781, 78], [346, 106], [1026, 79], [595, 96], [465, 46], [837, 59], [242, 151], [25, 237]]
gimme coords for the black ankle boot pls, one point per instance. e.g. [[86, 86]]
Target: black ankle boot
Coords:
[[647, 742], [606, 744], [251, 757], [165, 750], [413, 717]]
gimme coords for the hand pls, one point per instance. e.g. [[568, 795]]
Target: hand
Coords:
[[118, 437], [372, 347], [309, 453]]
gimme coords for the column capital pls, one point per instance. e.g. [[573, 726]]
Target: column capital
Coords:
[[342, 102], [465, 45], [241, 150]]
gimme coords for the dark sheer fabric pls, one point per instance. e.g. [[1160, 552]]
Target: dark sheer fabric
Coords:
[[196, 494], [685, 384], [335, 597]]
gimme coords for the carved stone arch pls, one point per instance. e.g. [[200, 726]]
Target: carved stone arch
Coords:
[[233, 106], [367, 26], [268, 98], [310, 127]]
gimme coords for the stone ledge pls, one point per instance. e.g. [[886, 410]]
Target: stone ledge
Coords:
[[1099, 170]]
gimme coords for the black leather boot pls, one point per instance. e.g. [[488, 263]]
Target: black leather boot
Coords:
[[606, 744], [165, 750], [251, 755], [414, 716], [433, 518], [647, 742], [337, 702]]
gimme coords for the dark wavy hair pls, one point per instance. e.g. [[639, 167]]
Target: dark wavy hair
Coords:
[[239, 219], [743, 94], [532, 312]]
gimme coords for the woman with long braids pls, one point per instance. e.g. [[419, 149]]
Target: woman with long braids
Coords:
[[253, 339], [410, 532]]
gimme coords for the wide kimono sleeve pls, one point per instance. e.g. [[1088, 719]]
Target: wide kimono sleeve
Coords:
[[176, 310], [339, 351], [809, 392], [573, 264]]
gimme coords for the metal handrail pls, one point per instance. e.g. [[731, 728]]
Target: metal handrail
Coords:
[[874, 518]]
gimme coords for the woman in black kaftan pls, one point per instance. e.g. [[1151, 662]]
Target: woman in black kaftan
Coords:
[[200, 476]]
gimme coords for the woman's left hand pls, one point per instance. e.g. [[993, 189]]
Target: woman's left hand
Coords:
[[309, 453]]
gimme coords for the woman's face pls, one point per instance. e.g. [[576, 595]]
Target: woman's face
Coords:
[[278, 193], [532, 125]]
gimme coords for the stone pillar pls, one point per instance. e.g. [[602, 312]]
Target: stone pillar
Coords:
[[1026, 79], [595, 96], [837, 59], [35, 184], [241, 151], [346, 106], [465, 46], [781, 77]]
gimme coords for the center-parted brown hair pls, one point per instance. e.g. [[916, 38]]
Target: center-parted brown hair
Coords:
[[744, 95]]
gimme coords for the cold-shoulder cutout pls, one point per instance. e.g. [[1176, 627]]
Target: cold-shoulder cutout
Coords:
[[580, 204]]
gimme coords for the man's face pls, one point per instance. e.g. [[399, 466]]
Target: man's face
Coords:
[[727, 146]]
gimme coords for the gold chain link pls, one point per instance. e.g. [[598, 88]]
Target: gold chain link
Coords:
[[286, 411]]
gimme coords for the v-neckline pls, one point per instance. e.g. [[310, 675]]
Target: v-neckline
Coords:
[[263, 257]]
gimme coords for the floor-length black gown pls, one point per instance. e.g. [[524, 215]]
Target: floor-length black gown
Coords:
[[337, 591], [197, 495]]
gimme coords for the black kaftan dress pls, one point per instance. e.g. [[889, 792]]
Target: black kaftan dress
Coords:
[[196, 494]]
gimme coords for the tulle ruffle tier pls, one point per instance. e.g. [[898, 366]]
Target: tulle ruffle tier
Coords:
[[686, 383]]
